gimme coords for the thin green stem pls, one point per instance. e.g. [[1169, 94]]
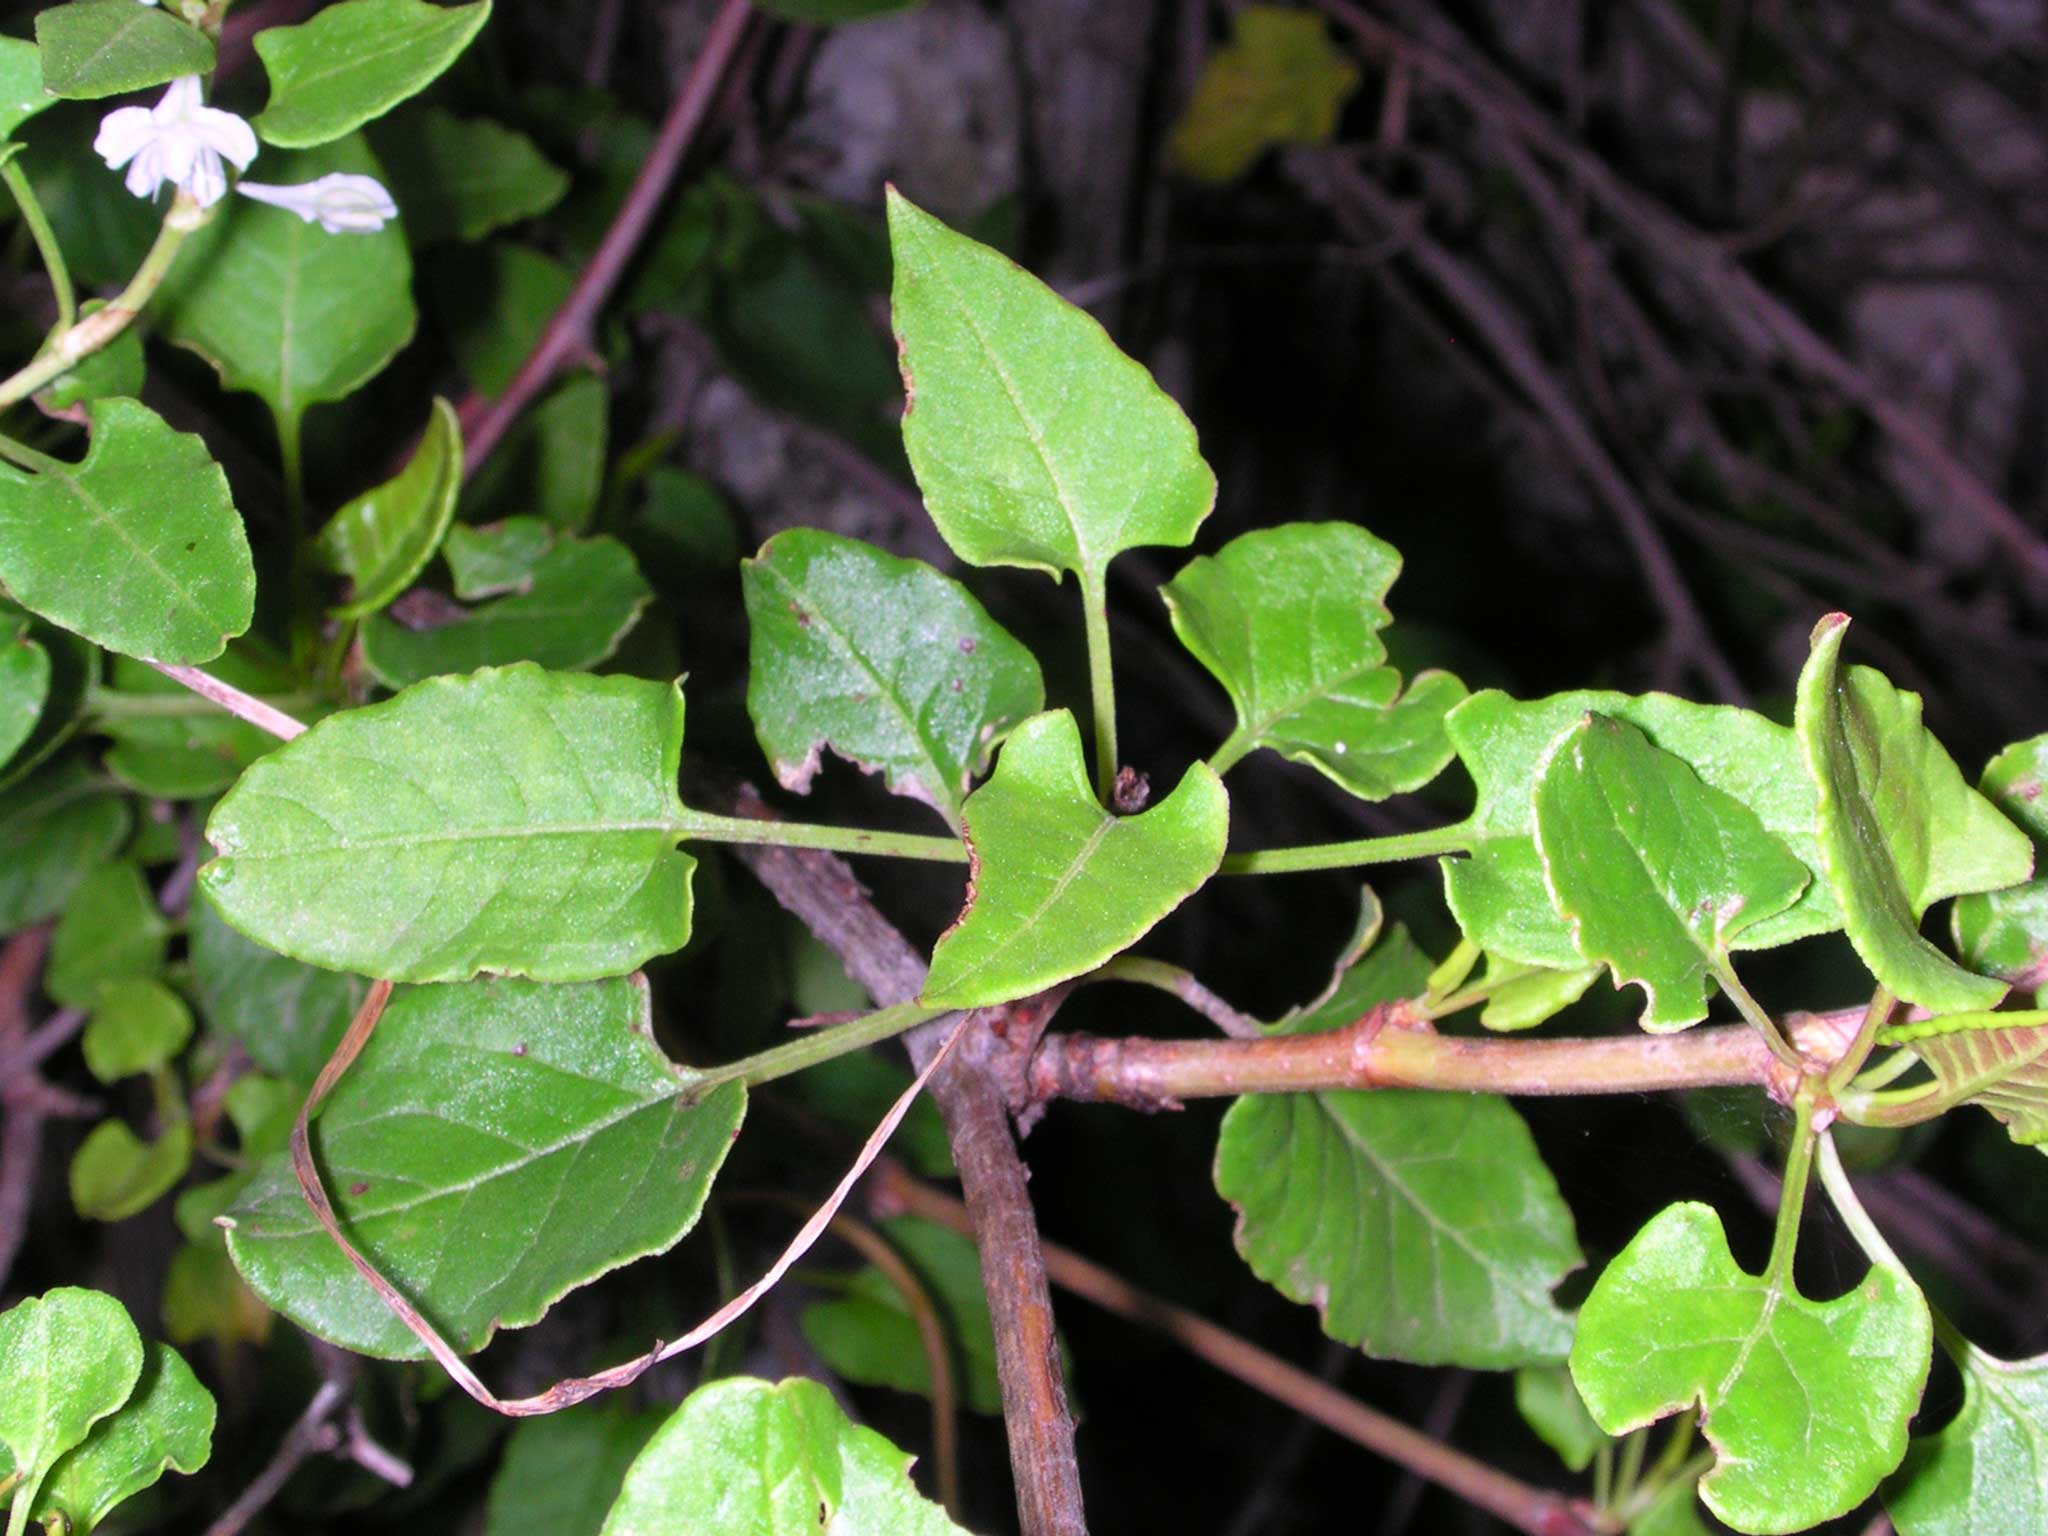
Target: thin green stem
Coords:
[[1672, 1457], [1630, 1472], [39, 230], [816, 1046], [1835, 1179], [1899, 1107], [1456, 838], [17, 1514], [1885, 1073], [25, 457], [1101, 682], [1753, 1011], [1874, 1018], [90, 334], [1448, 977], [1603, 1474], [1792, 1203], [703, 826], [1227, 756], [114, 704]]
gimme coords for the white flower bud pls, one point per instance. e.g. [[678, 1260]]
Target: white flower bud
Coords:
[[344, 204]]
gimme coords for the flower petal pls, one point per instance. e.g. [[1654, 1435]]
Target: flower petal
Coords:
[[122, 132]]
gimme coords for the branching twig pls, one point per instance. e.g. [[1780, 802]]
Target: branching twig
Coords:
[[314, 1434]]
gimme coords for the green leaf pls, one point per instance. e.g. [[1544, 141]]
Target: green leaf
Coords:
[[494, 304], [55, 828], [93, 48], [1655, 871], [1674, 1512], [552, 462], [1287, 619], [356, 61], [890, 664], [1422, 1226], [283, 309], [1899, 829], [2005, 933], [74, 667], [69, 1357], [1280, 81], [496, 558], [287, 1014], [1059, 884], [21, 85], [514, 820], [115, 1174], [571, 607], [459, 178], [1986, 1470], [166, 1426], [138, 548], [170, 744], [1499, 894], [115, 369], [205, 1299], [24, 682], [1551, 1406], [137, 1025], [386, 536], [869, 1336], [495, 1146], [1035, 441], [561, 1472], [111, 930], [1998, 1061], [1532, 994], [771, 1459], [1675, 1321]]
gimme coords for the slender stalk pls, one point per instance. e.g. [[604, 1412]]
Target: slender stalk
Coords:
[[1842, 1194], [1101, 681], [1885, 1073], [822, 1045], [703, 826], [243, 706], [1751, 1010], [1629, 1473], [1367, 850], [1183, 985], [24, 457], [1227, 756], [1792, 1204], [45, 238], [1874, 1018]]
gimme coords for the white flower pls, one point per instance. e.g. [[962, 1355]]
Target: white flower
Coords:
[[344, 204], [180, 140]]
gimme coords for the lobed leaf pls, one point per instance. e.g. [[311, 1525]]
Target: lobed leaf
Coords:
[[1058, 884], [385, 537], [1986, 1470], [69, 1357], [495, 1146], [513, 820], [355, 61], [94, 48], [1899, 829], [890, 664], [1804, 1402], [166, 1426]]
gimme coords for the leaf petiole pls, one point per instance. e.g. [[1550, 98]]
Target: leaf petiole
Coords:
[[703, 826], [1842, 1195], [1456, 838], [38, 224], [1792, 1203], [1101, 682], [818, 1046]]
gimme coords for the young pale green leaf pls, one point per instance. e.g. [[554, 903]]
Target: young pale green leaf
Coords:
[[771, 1459], [569, 609], [356, 61], [55, 828], [69, 1357], [496, 558], [1673, 1512], [1528, 995], [165, 1426], [1996, 1060], [1059, 884], [514, 820], [283, 309], [869, 1336], [1499, 894], [1280, 81], [1675, 1321], [459, 178], [170, 744], [495, 1146], [890, 664], [138, 548], [1899, 829], [386, 536], [561, 1472], [94, 48], [204, 1299], [111, 930], [288, 1015], [2005, 933], [1287, 619], [1550, 1405], [115, 1174], [21, 85], [1655, 871], [137, 1025], [1035, 441], [1422, 1226], [24, 682], [1986, 1470]]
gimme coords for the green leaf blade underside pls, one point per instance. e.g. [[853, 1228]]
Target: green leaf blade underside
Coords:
[[1059, 884], [385, 537], [1998, 1061], [1035, 441], [356, 61], [1805, 1402], [1984, 1473], [514, 821], [1655, 872], [94, 48], [771, 1459], [283, 309], [2005, 933], [287, 1014], [567, 604], [1551, 1406], [69, 1357], [892, 665], [1423, 1226], [138, 547], [1899, 829], [165, 1426], [496, 1145], [1499, 895]]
